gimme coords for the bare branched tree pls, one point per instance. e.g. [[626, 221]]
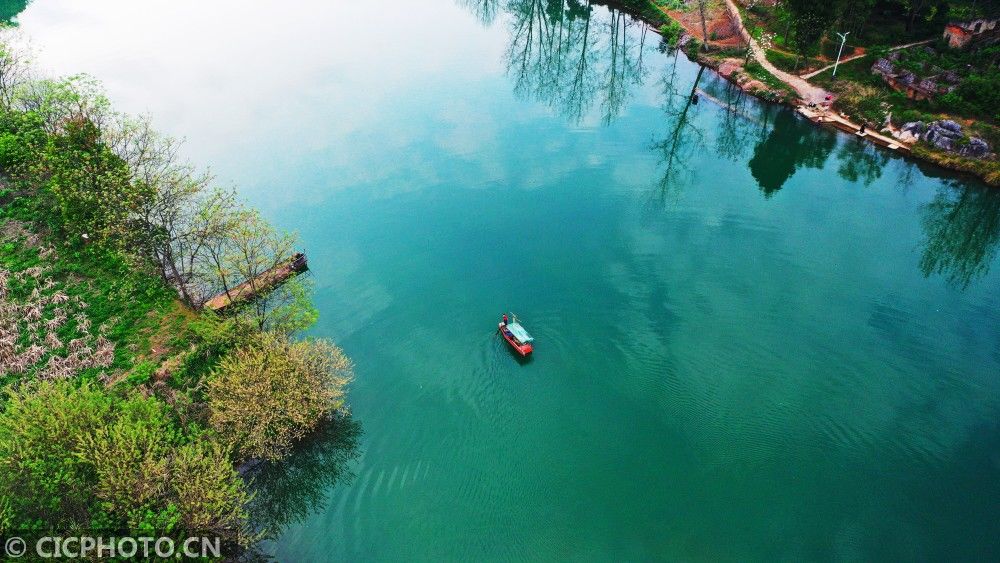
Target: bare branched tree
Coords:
[[14, 68], [253, 247]]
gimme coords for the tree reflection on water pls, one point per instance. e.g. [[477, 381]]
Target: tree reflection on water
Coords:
[[861, 161], [484, 10], [684, 137], [737, 129], [791, 144], [962, 225], [560, 55], [288, 491]]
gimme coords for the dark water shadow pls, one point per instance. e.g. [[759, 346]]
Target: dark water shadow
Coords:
[[289, 491], [791, 144]]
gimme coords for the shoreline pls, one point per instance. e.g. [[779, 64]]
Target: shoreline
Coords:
[[840, 122]]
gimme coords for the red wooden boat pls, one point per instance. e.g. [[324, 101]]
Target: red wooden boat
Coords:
[[517, 337]]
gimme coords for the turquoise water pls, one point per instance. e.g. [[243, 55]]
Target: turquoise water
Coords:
[[756, 339]]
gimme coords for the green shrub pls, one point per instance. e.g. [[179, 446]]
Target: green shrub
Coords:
[[989, 133], [692, 48], [21, 139], [909, 115], [270, 393], [980, 94], [77, 456], [671, 4], [141, 374], [671, 32]]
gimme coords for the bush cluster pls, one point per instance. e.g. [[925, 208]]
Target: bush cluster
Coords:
[[671, 32]]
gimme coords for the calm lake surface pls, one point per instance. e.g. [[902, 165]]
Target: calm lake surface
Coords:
[[756, 339]]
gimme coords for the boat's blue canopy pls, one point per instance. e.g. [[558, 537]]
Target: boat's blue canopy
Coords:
[[519, 333]]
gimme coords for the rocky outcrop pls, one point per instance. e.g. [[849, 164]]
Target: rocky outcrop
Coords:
[[911, 132], [920, 87], [946, 135], [975, 148]]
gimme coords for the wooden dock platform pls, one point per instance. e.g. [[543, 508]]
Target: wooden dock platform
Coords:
[[833, 119], [263, 283]]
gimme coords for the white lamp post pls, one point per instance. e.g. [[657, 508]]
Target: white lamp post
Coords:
[[843, 39]]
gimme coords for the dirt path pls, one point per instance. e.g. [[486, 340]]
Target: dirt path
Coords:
[[809, 75], [809, 93]]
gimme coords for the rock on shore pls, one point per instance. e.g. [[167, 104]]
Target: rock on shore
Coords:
[[946, 135]]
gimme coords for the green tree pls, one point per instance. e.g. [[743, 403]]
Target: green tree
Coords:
[[22, 141], [78, 457], [811, 19], [43, 482], [251, 247], [90, 184], [9, 9], [265, 396]]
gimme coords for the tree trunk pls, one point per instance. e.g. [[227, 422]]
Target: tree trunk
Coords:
[[704, 25], [915, 8]]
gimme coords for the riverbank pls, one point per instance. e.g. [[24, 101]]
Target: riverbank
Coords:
[[758, 76], [124, 403]]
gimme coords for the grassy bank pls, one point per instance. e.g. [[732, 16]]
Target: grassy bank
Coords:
[[125, 407], [864, 96]]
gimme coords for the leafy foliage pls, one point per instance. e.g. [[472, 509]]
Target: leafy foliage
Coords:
[[9, 9], [671, 32], [977, 95], [810, 20], [268, 394], [103, 421], [78, 457]]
